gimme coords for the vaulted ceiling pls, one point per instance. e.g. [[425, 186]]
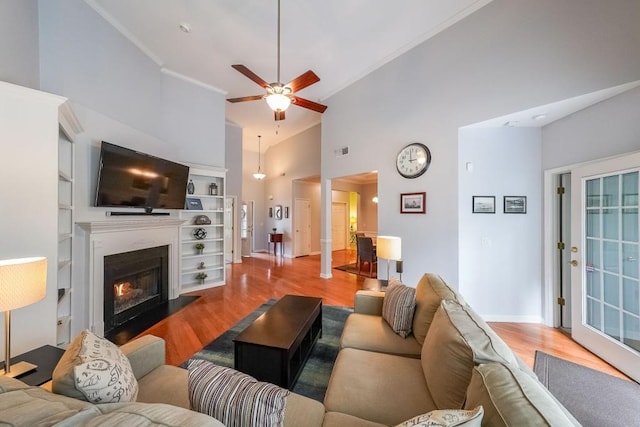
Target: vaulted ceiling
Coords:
[[340, 40]]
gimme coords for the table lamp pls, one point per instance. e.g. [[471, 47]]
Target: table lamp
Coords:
[[389, 248], [22, 282]]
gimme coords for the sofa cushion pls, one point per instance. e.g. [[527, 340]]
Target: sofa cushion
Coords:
[[397, 307], [373, 333], [457, 340], [338, 419], [446, 418], [94, 369], [510, 397], [152, 388], [377, 387], [430, 290], [233, 397]]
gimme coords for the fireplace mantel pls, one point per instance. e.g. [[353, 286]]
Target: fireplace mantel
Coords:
[[106, 226], [115, 235]]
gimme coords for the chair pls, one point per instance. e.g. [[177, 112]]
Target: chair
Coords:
[[366, 253], [356, 235]]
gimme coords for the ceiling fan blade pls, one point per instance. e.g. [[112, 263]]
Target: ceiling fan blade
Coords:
[[278, 115], [303, 80], [251, 75], [305, 103], [246, 98]]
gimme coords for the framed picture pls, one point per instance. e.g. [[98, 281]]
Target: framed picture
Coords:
[[286, 211], [277, 212], [413, 203], [515, 204], [484, 204], [270, 212], [193, 204]]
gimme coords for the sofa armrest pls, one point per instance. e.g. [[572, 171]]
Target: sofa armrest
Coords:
[[145, 354], [369, 302]]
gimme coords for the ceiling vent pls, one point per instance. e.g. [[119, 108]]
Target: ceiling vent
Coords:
[[341, 151]]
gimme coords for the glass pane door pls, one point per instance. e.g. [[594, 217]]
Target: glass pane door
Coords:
[[612, 299], [605, 281]]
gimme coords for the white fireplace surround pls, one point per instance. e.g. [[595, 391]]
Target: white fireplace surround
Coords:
[[114, 236]]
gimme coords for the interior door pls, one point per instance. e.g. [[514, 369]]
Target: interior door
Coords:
[[605, 287], [246, 227], [302, 227], [338, 226], [229, 219]]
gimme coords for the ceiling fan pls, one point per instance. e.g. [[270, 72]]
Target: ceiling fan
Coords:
[[279, 96]]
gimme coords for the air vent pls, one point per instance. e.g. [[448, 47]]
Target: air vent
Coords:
[[341, 151]]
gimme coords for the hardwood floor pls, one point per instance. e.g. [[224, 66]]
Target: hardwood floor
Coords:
[[265, 276]]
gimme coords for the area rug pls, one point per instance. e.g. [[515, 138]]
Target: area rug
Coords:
[[314, 378], [593, 397], [351, 268]]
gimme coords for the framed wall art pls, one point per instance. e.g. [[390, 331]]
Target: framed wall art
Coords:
[[413, 203], [286, 211], [193, 204], [515, 204], [270, 212], [484, 204], [277, 212]]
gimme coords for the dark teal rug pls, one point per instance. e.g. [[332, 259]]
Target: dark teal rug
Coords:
[[314, 378]]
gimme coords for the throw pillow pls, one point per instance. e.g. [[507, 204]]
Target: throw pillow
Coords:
[[234, 398], [446, 418], [397, 307], [94, 369]]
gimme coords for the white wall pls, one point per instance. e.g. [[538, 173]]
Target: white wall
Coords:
[[292, 159], [19, 43], [500, 255], [605, 129], [233, 162], [509, 56], [29, 203]]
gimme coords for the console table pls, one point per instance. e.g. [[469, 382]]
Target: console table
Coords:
[[275, 347], [276, 238]]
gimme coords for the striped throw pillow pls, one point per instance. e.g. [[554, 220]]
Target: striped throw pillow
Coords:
[[234, 398], [398, 306]]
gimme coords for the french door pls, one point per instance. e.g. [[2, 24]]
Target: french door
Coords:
[[605, 279]]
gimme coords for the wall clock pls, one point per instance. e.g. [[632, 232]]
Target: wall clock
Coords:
[[413, 160]]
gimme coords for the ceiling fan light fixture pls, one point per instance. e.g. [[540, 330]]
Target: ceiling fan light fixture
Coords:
[[279, 97]]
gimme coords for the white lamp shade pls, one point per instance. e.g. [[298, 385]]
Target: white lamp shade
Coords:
[[278, 101], [259, 175], [22, 282], [389, 247]]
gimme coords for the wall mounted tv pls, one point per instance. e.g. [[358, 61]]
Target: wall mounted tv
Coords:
[[128, 178]]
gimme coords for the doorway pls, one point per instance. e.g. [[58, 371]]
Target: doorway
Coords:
[[605, 242], [229, 229], [339, 228], [246, 228], [302, 227], [563, 191]]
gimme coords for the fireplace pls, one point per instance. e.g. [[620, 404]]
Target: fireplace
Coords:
[[134, 283]]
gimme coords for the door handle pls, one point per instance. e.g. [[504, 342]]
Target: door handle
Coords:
[[573, 262]]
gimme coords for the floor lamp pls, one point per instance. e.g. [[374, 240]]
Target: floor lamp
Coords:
[[22, 282], [389, 248]]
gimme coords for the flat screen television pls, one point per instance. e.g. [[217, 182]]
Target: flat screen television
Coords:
[[129, 178]]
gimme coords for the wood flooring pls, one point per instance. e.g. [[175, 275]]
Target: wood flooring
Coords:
[[264, 276]]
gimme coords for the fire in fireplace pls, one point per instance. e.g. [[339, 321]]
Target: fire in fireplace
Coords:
[[135, 282]]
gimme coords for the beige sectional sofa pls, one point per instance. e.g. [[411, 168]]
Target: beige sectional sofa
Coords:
[[452, 360]]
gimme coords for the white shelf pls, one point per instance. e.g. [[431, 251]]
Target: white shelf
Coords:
[[65, 238], [213, 255]]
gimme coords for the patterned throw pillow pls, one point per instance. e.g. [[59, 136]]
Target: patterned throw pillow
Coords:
[[97, 370], [446, 418], [398, 306], [234, 398]]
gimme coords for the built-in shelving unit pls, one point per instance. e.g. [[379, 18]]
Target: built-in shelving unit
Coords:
[[209, 189], [65, 238]]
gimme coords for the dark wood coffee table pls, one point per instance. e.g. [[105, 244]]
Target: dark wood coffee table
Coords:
[[277, 344]]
